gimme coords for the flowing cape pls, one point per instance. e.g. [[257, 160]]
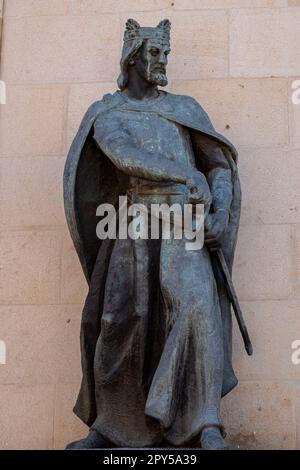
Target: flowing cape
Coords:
[[90, 179]]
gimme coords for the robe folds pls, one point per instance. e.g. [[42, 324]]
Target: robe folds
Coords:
[[156, 325]]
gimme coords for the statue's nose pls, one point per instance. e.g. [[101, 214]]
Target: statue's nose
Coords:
[[163, 58]]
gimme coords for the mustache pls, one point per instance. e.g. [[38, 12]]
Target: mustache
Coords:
[[159, 68]]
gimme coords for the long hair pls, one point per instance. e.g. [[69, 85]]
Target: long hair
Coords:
[[129, 50]]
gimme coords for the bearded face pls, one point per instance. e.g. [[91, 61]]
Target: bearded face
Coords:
[[151, 62]]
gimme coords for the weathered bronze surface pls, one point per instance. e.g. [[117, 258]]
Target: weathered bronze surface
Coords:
[[156, 325]]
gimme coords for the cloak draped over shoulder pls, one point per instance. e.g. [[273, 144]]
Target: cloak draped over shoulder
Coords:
[[90, 179]]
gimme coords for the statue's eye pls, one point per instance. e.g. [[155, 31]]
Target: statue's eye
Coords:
[[154, 52]]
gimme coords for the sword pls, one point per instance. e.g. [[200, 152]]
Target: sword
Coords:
[[233, 299]]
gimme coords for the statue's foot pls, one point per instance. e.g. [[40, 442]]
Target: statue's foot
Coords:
[[211, 439], [93, 441]]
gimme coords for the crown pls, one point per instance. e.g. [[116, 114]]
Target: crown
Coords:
[[134, 31]]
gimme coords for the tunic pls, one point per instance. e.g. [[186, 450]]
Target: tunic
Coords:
[[158, 362]]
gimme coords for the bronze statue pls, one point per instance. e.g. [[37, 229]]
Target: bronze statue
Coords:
[[156, 325]]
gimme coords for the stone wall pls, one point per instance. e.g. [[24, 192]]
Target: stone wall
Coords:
[[239, 59]]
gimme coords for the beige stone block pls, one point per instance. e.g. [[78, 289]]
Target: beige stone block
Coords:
[[42, 344], [199, 42], [81, 97], [273, 326], [293, 3], [1, 20], [296, 257], [251, 113], [270, 181], [26, 415], [264, 42], [31, 192], [30, 267], [297, 399], [32, 121], [199, 45], [73, 283], [223, 4], [35, 7], [88, 7], [61, 49], [67, 427], [294, 112], [261, 416], [263, 267]]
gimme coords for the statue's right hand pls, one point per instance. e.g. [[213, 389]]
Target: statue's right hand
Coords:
[[199, 191]]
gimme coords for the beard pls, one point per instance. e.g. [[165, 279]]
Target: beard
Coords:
[[158, 78]]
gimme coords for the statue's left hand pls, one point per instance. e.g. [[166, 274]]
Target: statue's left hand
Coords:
[[215, 226], [199, 192]]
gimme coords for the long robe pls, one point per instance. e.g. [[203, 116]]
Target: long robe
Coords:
[[156, 326]]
